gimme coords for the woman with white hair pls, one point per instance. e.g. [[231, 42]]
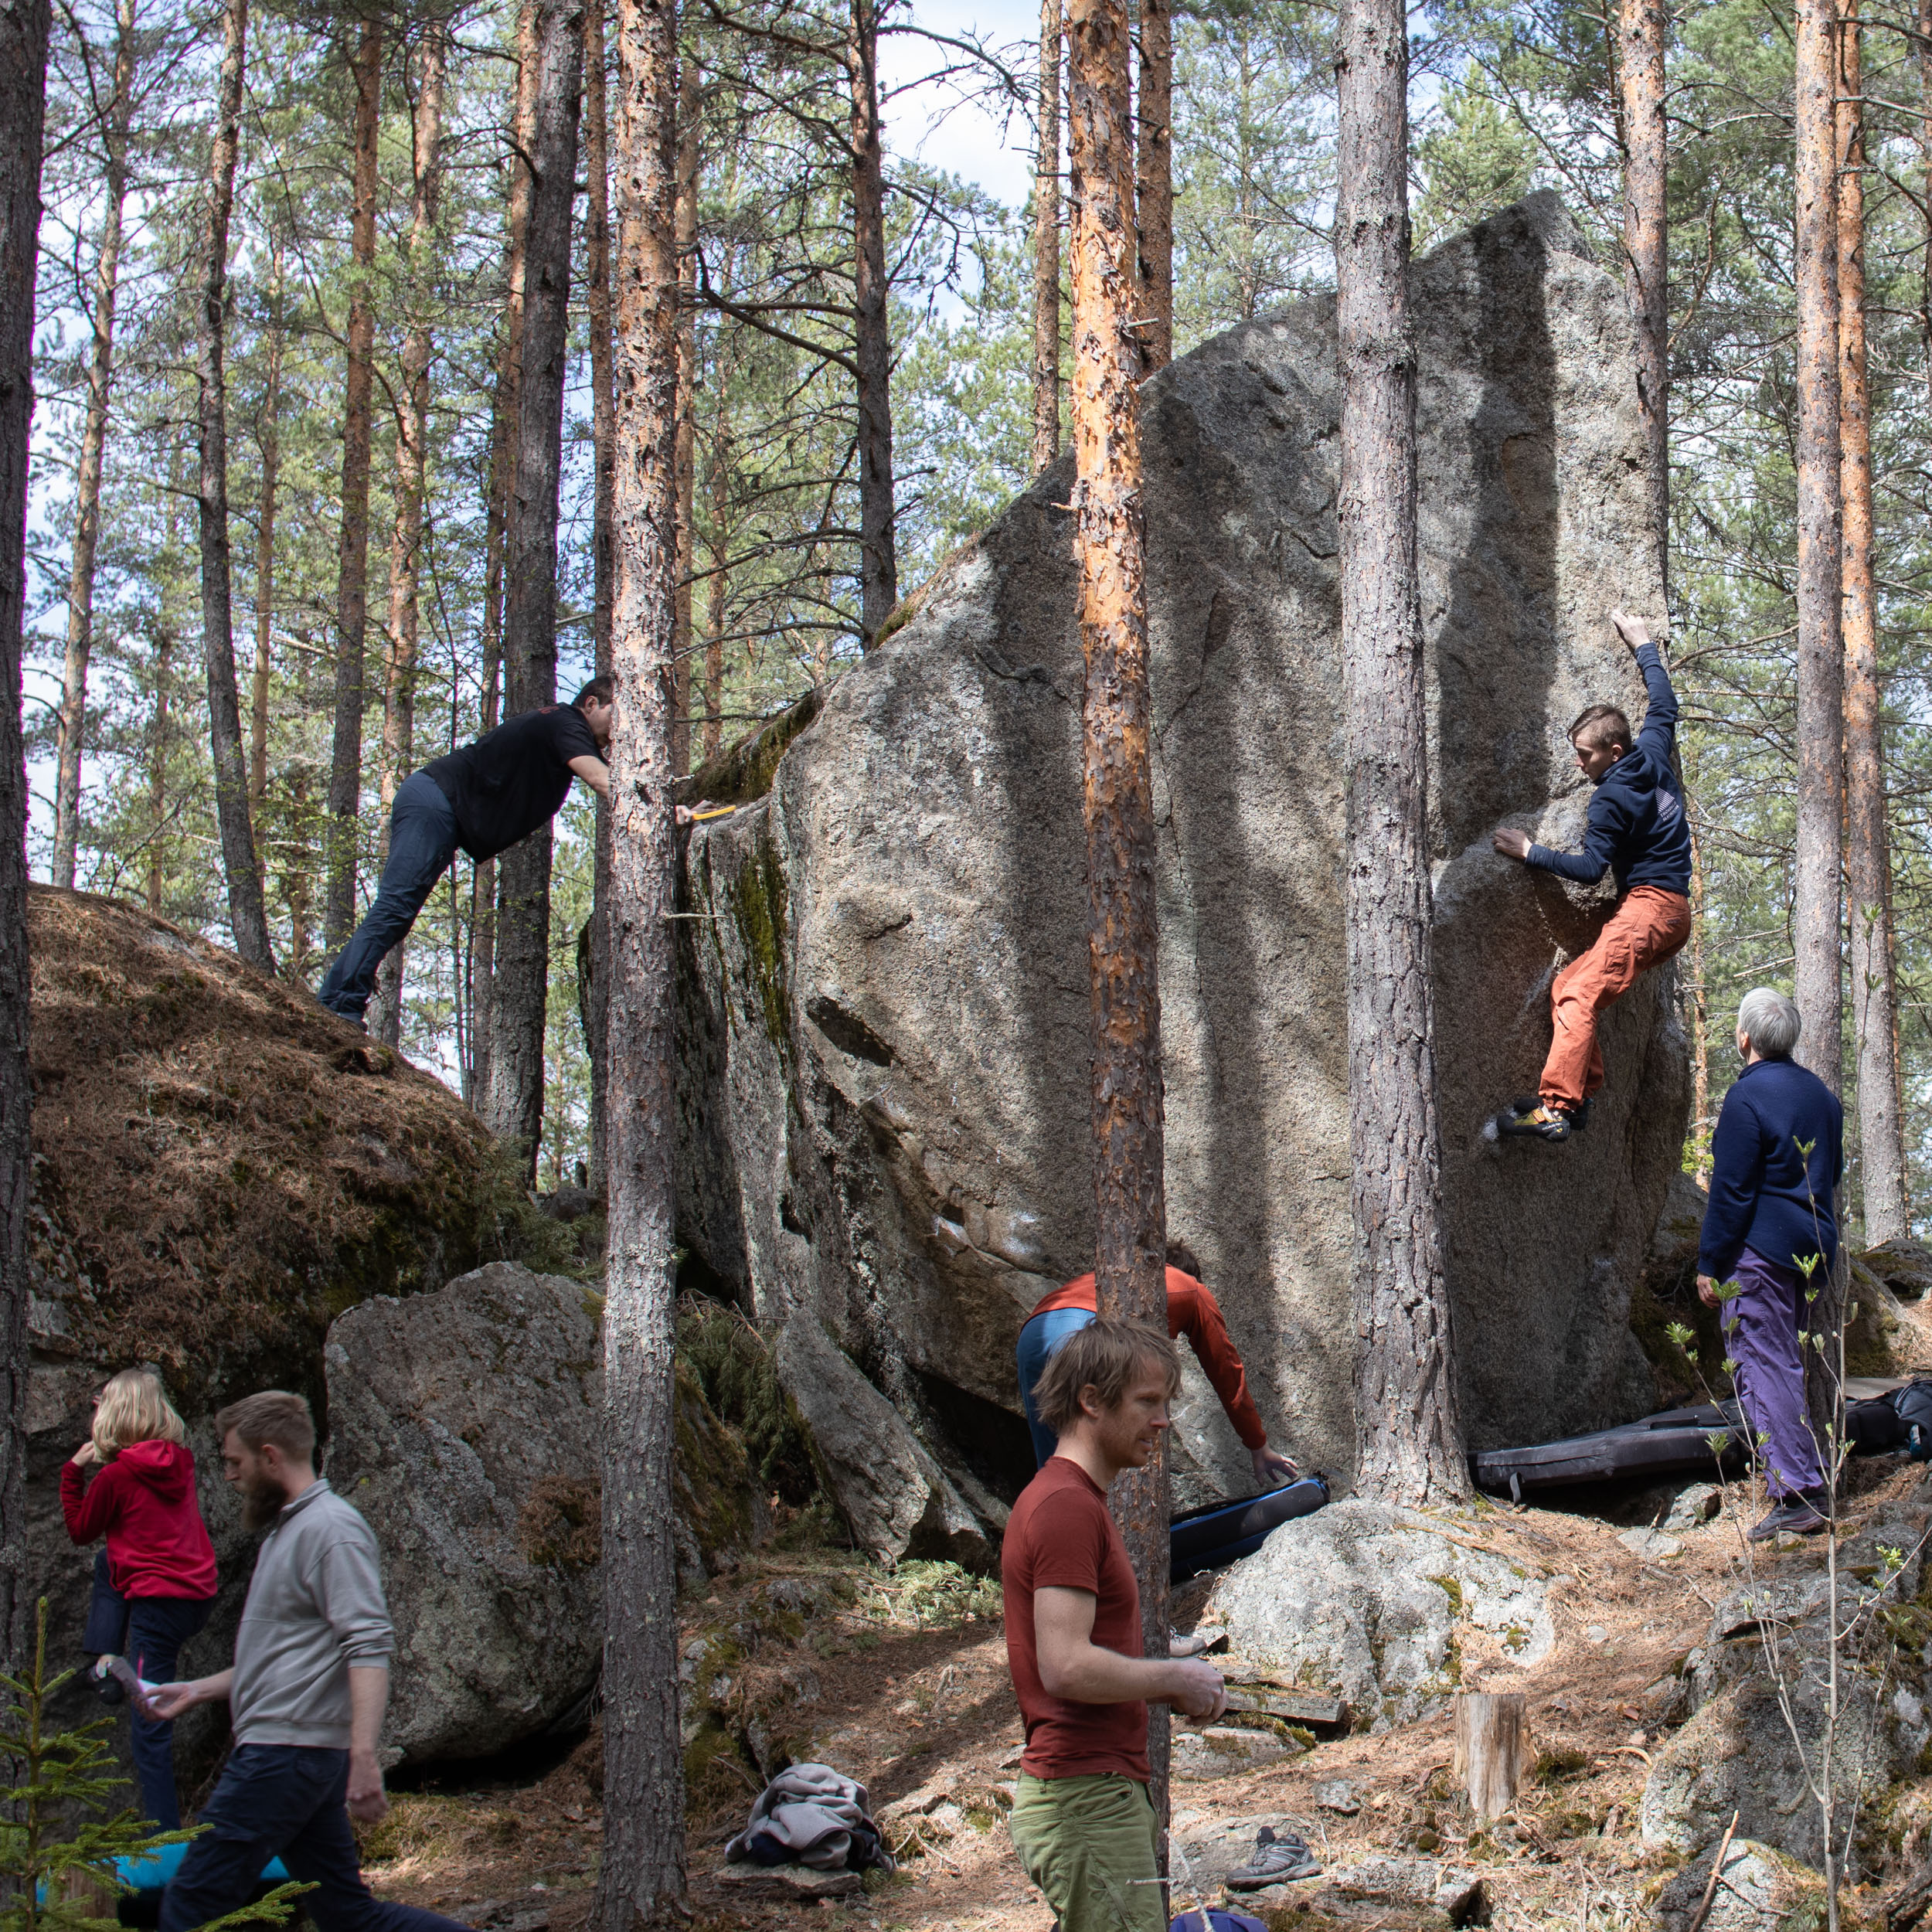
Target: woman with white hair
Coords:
[[1776, 1159]]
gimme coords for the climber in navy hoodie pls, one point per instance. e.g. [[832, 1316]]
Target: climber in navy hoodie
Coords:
[[154, 1583], [1636, 829]]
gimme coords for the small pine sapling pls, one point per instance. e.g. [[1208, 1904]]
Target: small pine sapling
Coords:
[[57, 1826]]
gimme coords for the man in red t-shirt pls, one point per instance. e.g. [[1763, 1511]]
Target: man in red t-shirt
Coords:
[[1082, 1820], [1192, 1312]]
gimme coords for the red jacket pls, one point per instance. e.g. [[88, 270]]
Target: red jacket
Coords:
[[1192, 1312], [144, 1499]]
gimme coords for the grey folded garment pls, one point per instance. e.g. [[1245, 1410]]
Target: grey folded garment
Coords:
[[811, 1815]]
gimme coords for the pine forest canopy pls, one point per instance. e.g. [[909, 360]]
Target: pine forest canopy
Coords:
[[786, 558]]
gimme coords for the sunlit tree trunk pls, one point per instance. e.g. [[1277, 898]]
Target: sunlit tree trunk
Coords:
[[688, 99], [1408, 1420], [72, 722], [1646, 253], [269, 440], [247, 918], [1155, 110], [1130, 1205], [1047, 246], [412, 432], [352, 576], [24, 28], [1816, 920], [1881, 1137], [878, 562], [509, 363], [513, 1106], [642, 1878]]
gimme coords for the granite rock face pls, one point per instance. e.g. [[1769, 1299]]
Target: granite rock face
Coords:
[[883, 1006], [1377, 1607]]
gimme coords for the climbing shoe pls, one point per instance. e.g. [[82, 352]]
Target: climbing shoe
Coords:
[[107, 1685], [1544, 1121], [1528, 1104], [1276, 1860], [1803, 1514]]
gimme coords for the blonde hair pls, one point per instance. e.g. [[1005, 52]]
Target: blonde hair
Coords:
[[133, 1409]]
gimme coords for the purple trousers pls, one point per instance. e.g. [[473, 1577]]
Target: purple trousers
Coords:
[[1760, 1335]]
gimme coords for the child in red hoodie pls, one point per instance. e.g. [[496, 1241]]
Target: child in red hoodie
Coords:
[[154, 1583]]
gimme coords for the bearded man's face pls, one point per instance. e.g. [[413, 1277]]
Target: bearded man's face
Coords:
[[263, 1496]]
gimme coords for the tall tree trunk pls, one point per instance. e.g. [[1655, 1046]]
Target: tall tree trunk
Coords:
[[412, 431], [351, 576], [247, 916], [1922, 45], [1874, 998], [603, 423], [502, 477], [1646, 252], [1047, 246], [643, 1878], [1155, 185], [878, 561], [1701, 1122], [1130, 1209], [1816, 923], [1408, 1421], [687, 220], [94, 442], [158, 767], [719, 592], [513, 1106], [24, 29], [269, 436]]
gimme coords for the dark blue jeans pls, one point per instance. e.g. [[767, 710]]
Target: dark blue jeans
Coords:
[[149, 1632], [422, 841], [285, 1801]]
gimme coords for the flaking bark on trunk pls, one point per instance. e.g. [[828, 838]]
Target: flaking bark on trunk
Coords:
[[642, 1879], [24, 28], [352, 556], [1641, 29], [1155, 184], [247, 918], [509, 362], [269, 440], [513, 1106], [72, 720], [1816, 927], [1130, 1209], [1408, 1423], [412, 431], [1874, 998], [878, 558], [603, 423], [687, 235], [1047, 246]]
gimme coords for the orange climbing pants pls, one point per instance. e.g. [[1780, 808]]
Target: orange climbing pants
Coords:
[[1649, 926]]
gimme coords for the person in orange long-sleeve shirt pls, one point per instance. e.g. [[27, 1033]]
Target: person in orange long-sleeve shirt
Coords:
[[1192, 1312]]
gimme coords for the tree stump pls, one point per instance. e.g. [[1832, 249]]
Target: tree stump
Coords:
[[1492, 1742]]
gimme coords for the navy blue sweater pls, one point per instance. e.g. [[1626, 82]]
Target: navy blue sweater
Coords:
[[1767, 1194], [1637, 826]]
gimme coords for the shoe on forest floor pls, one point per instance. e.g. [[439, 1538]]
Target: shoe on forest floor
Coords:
[[1803, 1515], [1276, 1860], [1544, 1121]]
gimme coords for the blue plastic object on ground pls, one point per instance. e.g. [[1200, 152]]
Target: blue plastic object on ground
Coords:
[[151, 1873], [1218, 1920]]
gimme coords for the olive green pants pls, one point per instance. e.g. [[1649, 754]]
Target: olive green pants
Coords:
[[1085, 1841]]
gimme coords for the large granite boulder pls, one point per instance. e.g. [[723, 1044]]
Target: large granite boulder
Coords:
[[883, 1006]]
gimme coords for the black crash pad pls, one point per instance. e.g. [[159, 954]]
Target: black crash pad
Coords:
[[1678, 1442], [1224, 1532]]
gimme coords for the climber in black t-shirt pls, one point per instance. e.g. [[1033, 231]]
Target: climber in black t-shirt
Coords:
[[484, 798]]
